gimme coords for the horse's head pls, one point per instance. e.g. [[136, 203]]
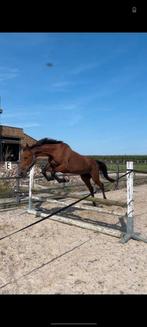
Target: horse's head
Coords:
[[27, 160]]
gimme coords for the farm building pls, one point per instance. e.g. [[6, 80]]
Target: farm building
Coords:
[[11, 140]]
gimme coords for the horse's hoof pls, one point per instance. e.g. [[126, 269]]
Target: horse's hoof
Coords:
[[66, 180]]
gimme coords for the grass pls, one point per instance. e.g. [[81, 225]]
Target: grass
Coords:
[[122, 167]]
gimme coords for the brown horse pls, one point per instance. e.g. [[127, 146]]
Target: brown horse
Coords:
[[61, 158]]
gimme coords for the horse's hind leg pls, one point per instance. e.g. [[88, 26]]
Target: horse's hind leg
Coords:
[[95, 177], [86, 179]]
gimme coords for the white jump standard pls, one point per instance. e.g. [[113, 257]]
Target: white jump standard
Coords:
[[130, 208]]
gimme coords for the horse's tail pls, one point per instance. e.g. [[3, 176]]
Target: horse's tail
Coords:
[[103, 169]]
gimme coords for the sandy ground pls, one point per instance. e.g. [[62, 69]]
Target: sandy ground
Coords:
[[55, 258]]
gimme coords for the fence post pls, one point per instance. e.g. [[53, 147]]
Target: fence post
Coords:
[[31, 180], [17, 187], [117, 174], [17, 191]]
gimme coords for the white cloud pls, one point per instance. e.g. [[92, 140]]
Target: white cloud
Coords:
[[21, 124], [61, 84], [30, 125], [84, 67], [18, 113], [58, 107], [8, 73]]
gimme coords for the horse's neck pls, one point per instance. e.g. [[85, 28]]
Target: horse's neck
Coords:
[[38, 152], [47, 150], [41, 151]]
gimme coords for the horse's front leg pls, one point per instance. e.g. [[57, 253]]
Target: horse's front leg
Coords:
[[55, 165], [61, 179], [48, 178], [53, 175]]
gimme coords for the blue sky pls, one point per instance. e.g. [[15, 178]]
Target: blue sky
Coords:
[[94, 97]]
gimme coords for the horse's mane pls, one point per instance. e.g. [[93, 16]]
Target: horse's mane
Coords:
[[45, 141]]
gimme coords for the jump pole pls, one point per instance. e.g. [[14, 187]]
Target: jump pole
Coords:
[[124, 237], [70, 221]]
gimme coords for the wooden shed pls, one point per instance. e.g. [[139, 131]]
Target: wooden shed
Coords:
[[11, 140]]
